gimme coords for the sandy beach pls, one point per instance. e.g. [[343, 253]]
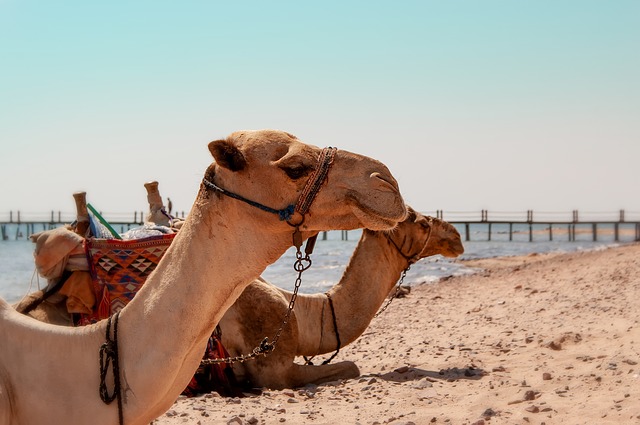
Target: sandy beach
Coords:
[[538, 339]]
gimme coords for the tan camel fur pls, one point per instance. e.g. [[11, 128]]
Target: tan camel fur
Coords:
[[49, 374], [373, 270]]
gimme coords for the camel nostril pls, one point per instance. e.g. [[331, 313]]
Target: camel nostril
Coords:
[[385, 179]]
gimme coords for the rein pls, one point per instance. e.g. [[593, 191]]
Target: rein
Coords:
[[308, 360], [302, 263], [109, 358]]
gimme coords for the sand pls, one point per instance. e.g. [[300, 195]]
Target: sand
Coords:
[[538, 339]]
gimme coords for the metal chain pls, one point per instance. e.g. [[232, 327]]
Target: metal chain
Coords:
[[396, 293], [301, 264]]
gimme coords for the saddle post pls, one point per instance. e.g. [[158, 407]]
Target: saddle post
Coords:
[[157, 213], [82, 214]]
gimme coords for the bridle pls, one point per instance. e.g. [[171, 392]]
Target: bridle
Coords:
[[303, 262], [306, 198], [109, 350]]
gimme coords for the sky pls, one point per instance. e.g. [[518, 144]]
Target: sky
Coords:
[[498, 105]]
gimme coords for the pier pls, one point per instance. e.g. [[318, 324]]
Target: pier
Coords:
[[481, 225], [619, 225], [19, 225]]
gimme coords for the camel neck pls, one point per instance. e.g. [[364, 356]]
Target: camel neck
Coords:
[[201, 275], [373, 270]]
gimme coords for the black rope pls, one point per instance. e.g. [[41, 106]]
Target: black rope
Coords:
[[109, 358], [335, 326], [283, 214], [45, 294]]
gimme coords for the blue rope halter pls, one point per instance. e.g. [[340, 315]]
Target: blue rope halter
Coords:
[[307, 195], [284, 214]]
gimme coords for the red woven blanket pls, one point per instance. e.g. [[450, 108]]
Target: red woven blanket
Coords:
[[119, 269]]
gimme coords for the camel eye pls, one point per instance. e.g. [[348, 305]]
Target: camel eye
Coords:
[[296, 172]]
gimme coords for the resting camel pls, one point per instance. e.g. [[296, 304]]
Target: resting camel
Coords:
[[50, 374], [374, 268], [259, 310]]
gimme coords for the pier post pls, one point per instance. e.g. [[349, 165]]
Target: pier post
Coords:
[[324, 235], [3, 229], [595, 232], [616, 232], [510, 231], [550, 232], [466, 231], [489, 232], [530, 232]]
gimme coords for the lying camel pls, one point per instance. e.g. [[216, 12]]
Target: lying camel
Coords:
[[259, 310], [50, 374], [374, 268]]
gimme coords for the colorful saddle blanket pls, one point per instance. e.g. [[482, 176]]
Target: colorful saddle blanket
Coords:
[[119, 268]]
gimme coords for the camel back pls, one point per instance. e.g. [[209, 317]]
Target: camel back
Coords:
[[118, 270]]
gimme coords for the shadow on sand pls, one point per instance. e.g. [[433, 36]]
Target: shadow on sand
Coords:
[[404, 374]]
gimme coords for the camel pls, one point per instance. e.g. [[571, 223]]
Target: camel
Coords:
[[259, 310], [50, 374], [375, 266]]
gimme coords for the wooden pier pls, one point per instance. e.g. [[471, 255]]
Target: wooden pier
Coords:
[[535, 226], [618, 226], [593, 228], [17, 225]]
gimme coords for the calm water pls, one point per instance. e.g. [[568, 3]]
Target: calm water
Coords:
[[330, 259]]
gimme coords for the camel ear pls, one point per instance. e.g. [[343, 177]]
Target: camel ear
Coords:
[[227, 155]]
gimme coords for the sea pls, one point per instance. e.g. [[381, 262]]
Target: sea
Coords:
[[331, 255]]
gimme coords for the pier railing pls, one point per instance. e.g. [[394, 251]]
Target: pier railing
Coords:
[[571, 223], [566, 224]]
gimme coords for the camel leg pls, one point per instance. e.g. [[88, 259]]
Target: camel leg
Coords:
[[301, 375]]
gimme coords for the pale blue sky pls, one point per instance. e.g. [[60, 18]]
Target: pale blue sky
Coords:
[[504, 105]]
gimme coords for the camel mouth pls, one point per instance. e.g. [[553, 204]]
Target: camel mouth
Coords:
[[453, 254], [376, 219], [450, 250]]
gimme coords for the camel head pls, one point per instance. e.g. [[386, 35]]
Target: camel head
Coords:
[[420, 236], [444, 240], [272, 168]]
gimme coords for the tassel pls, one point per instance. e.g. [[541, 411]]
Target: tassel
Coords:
[[104, 309]]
